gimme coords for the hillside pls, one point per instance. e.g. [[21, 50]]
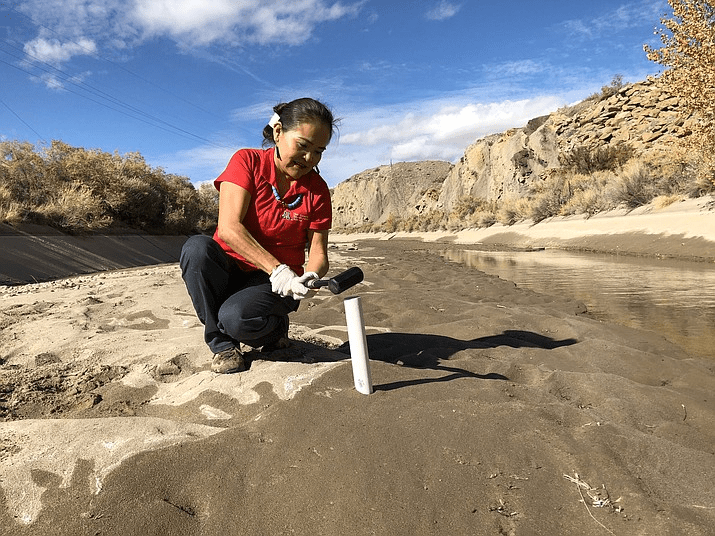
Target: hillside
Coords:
[[639, 120], [403, 188]]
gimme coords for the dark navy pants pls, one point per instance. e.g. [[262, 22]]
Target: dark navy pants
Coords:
[[234, 306]]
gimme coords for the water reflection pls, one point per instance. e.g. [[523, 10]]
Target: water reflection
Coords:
[[674, 298]]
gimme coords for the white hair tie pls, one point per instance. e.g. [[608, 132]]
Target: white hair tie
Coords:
[[275, 118]]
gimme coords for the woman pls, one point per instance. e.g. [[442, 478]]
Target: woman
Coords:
[[245, 280]]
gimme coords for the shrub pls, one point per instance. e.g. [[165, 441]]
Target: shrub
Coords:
[[391, 224], [679, 171], [548, 197], [433, 220], [23, 173], [633, 187], [614, 87], [585, 160], [663, 201], [513, 211], [208, 208], [77, 190], [468, 205], [10, 211], [587, 194], [703, 181], [470, 211], [74, 208], [485, 219], [140, 204]]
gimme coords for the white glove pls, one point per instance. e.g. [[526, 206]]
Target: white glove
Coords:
[[285, 282], [282, 278], [304, 281], [298, 286]]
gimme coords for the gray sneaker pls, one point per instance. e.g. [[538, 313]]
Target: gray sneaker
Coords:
[[228, 361]]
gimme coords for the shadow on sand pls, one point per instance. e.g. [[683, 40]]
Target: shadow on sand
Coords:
[[430, 352]]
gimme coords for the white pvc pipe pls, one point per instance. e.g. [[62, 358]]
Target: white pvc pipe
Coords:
[[358, 345]]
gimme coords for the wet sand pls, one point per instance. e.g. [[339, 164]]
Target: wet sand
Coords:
[[496, 411]]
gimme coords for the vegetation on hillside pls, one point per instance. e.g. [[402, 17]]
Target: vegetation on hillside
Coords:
[[78, 190]]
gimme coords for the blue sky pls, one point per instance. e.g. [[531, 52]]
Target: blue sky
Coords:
[[187, 82]]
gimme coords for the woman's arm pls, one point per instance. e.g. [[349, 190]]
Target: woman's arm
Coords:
[[318, 252], [232, 207]]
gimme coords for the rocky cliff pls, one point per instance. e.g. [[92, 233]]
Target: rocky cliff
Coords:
[[506, 165], [397, 189]]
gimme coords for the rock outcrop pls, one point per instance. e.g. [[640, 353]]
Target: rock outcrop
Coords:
[[397, 189], [506, 165]]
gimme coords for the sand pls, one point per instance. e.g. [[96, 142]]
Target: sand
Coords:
[[682, 230], [496, 410]]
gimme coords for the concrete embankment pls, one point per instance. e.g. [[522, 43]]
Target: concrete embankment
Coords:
[[34, 253]]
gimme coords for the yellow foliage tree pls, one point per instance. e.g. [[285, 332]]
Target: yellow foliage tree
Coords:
[[688, 50]]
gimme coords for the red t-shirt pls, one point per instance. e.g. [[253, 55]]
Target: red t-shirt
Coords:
[[280, 230]]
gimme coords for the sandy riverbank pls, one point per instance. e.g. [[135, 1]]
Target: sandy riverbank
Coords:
[[496, 411], [684, 230]]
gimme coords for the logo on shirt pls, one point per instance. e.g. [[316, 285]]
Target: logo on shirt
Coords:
[[294, 217]]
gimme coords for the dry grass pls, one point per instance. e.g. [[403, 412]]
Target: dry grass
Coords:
[[663, 201], [471, 212], [582, 159], [10, 210], [74, 207], [587, 194], [513, 211]]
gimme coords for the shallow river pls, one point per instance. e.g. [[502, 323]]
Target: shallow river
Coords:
[[674, 298]]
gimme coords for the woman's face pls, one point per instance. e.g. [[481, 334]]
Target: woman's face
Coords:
[[301, 148]]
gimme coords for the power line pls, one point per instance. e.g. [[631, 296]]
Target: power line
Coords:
[[115, 103], [103, 98], [128, 111], [22, 120]]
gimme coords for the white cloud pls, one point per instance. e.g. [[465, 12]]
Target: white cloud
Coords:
[[196, 22], [54, 52], [188, 22], [443, 10], [518, 68], [202, 21], [88, 25], [441, 122], [52, 82]]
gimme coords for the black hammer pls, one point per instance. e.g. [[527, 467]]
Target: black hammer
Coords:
[[339, 283]]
